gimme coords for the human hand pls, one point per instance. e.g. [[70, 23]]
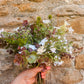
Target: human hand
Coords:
[[27, 77]]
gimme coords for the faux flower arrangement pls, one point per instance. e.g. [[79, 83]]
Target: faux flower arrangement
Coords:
[[38, 43]]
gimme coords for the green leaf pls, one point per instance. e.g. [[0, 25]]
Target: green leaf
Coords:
[[32, 58]]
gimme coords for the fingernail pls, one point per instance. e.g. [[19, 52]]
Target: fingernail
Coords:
[[48, 67]]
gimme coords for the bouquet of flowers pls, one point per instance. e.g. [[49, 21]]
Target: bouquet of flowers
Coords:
[[38, 43]]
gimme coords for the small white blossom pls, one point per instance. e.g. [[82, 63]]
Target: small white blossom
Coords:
[[53, 50], [41, 50], [70, 30], [65, 42], [67, 50], [16, 29], [64, 38], [53, 43], [21, 47], [32, 47], [61, 41], [56, 27], [56, 56], [64, 47], [59, 37], [70, 52], [70, 47], [46, 21], [43, 41], [2, 30], [57, 63], [66, 23], [61, 62], [19, 52], [59, 58]]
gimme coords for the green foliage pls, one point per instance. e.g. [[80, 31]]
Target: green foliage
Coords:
[[32, 58], [50, 17]]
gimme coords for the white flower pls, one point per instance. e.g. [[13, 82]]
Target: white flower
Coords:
[[66, 23], [57, 63], [16, 29], [32, 47], [46, 21], [19, 52], [64, 47], [56, 27], [61, 62], [70, 30], [56, 56], [70, 52], [2, 30], [61, 41], [65, 42], [12, 33], [53, 43], [41, 50], [67, 50], [43, 41], [59, 58], [53, 50], [21, 47], [64, 38], [59, 37], [70, 48]]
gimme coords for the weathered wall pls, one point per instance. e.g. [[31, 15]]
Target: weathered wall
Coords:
[[12, 14]]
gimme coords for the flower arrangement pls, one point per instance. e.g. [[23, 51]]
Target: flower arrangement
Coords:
[[38, 43]]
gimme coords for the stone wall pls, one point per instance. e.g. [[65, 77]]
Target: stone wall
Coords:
[[12, 14]]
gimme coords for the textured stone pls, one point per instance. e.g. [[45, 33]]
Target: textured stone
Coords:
[[5, 65], [68, 10], [67, 76], [74, 37], [79, 62], [36, 0], [3, 11], [77, 44], [67, 63], [3, 52], [63, 76], [5, 60], [25, 7], [78, 25], [75, 1], [4, 2]]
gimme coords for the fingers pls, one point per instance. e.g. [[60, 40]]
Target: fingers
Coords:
[[44, 72], [38, 69]]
